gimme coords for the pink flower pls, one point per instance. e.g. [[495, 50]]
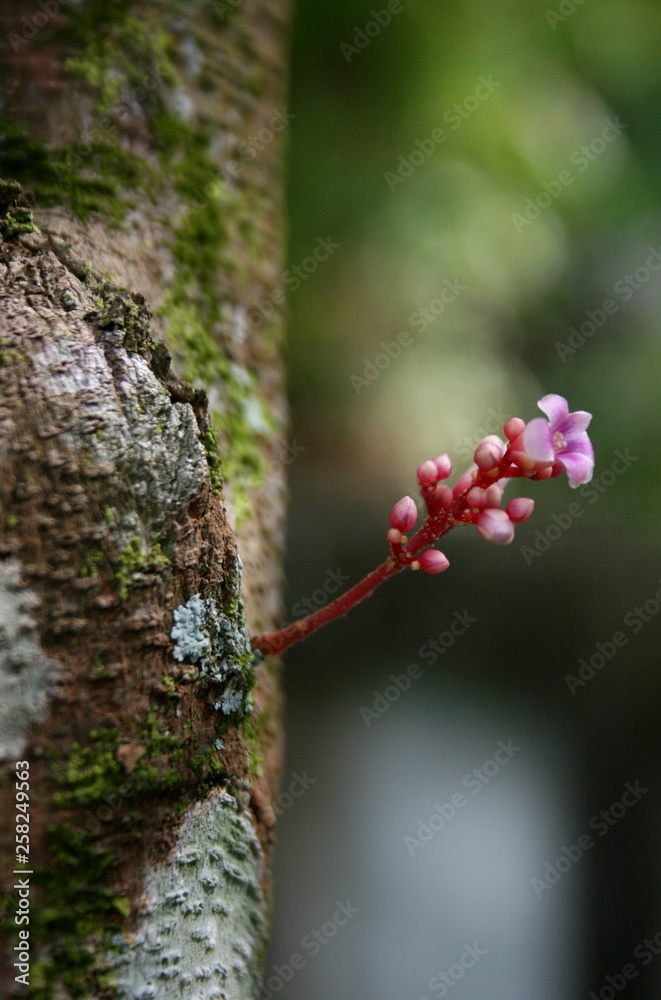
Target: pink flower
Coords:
[[513, 428], [443, 496], [444, 466], [520, 509], [464, 482], [495, 526], [433, 561], [476, 497], [562, 438], [538, 450], [489, 453], [428, 473], [404, 514], [495, 493]]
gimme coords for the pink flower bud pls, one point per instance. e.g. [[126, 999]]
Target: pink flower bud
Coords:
[[477, 497], [428, 473], [494, 495], [489, 453], [433, 561], [520, 509], [444, 466], [513, 428], [520, 457], [444, 496], [464, 483], [394, 536], [495, 526], [404, 514]]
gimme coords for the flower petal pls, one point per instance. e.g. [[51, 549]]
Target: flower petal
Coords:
[[555, 407], [495, 526], [538, 440], [580, 446], [574, 424], [579, 468]]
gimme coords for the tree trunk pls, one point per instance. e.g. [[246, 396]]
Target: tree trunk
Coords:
[[141, 448]]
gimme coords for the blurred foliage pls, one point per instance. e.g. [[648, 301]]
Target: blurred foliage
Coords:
[[566, 129], [362, 110]]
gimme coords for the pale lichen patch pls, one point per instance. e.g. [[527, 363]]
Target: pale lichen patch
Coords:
[[26, 673], [219, 645], [200, 927], [125, 422]]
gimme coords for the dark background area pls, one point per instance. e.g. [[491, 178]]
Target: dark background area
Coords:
[[573, 89]]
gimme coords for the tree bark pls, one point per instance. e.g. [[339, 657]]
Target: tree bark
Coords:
[[141, 450]]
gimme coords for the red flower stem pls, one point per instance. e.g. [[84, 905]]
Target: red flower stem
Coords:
[[435, 526], [275, 642]]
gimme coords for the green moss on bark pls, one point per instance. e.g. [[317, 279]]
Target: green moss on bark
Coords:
[[192, 306], [76, 907], [103, 179], [134, 561], [99, 176], [92, 777], [15, 220], [79, 914]]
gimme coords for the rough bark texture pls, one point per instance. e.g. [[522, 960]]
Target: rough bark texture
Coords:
[[141, 450]]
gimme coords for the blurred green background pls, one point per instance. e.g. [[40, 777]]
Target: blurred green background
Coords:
[[485, 180]]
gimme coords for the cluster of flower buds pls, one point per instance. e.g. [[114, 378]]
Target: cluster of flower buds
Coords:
[[536, 450]]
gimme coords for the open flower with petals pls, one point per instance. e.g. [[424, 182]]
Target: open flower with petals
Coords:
[[562, 438], [537, 450]]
